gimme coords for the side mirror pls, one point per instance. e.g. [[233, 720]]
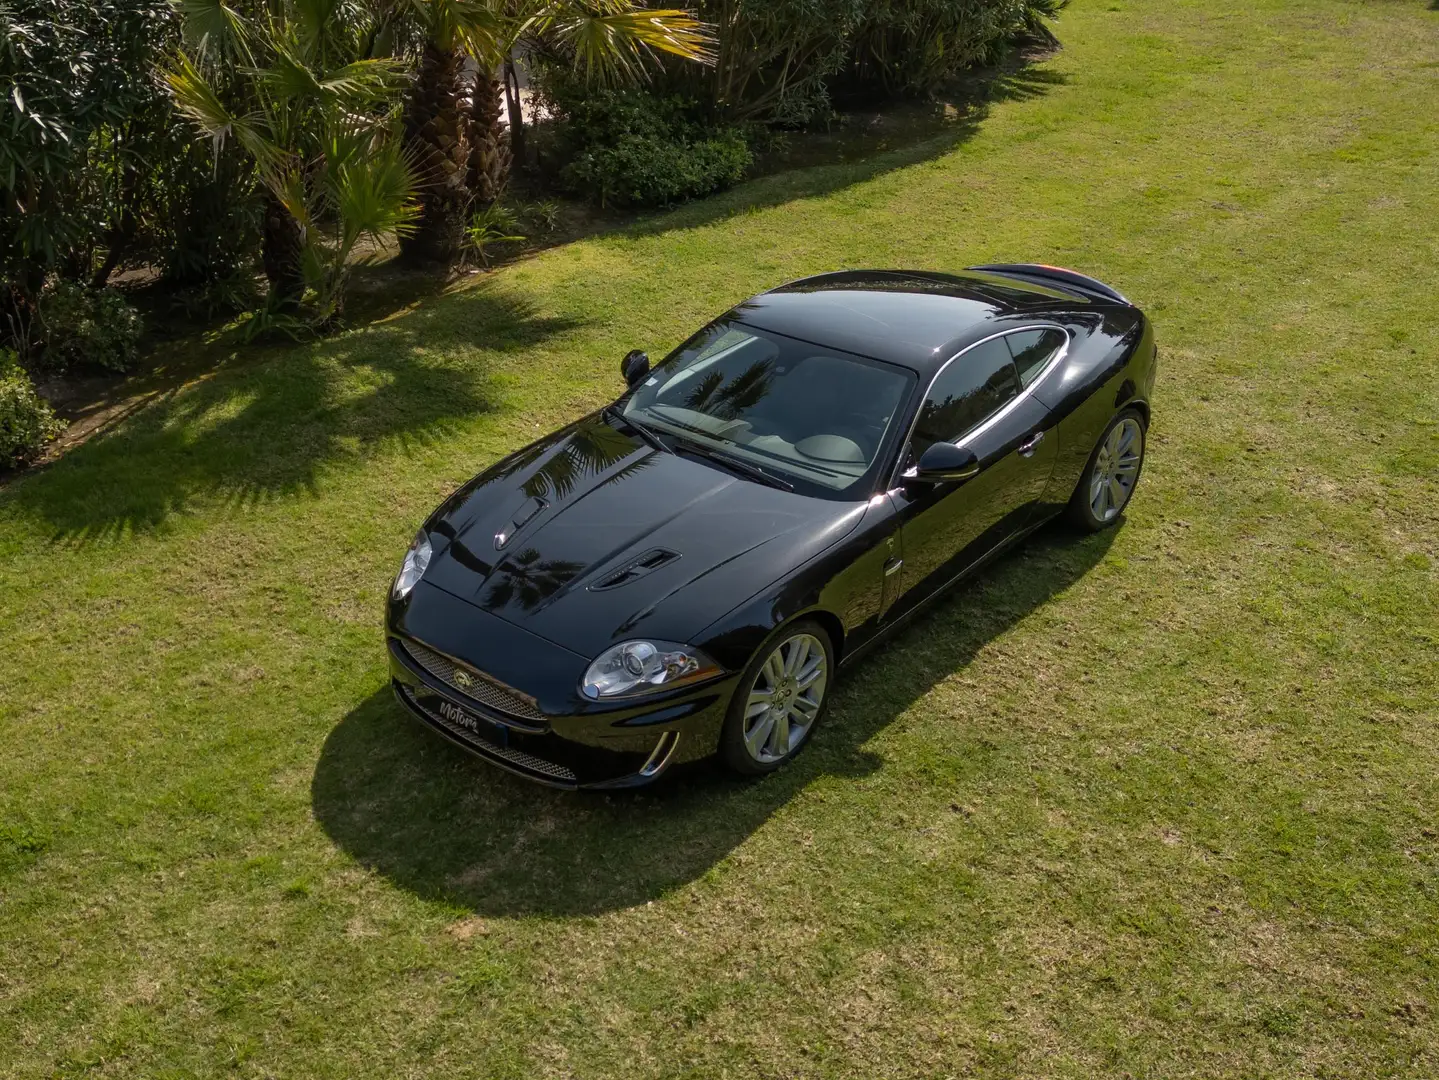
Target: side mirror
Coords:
[[635, 366], [945, 463]]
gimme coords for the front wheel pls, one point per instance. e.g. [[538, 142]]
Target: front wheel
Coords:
[[1111, 475], [779, 700]]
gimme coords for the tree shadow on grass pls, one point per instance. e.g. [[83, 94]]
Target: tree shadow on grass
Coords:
[[265, 426], [446, 827], [866, 146]]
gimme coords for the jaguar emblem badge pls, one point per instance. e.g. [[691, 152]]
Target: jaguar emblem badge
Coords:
[[464, 679]]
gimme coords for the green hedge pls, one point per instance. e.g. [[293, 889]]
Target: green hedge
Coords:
[[27, 423], [632, 148]]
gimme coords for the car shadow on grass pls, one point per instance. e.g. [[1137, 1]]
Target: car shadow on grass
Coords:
[[266, 424], [450, 828]]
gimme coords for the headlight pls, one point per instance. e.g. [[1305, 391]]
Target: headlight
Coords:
[[413, 568], [643, 667]]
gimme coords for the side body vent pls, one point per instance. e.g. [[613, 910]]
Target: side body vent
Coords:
[[647, 563]]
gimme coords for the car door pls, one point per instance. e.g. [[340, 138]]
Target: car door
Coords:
[[979, 401]]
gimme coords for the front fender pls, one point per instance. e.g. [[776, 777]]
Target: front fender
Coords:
[[841, 587]]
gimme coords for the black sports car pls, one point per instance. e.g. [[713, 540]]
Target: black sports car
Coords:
[[686, 570]]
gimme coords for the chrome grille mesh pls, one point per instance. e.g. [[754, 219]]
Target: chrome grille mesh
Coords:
[[474, 684], [516, 757]]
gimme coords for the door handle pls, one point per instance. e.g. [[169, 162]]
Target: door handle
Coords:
[[1031, 444]]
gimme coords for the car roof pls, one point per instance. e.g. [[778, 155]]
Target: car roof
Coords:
[[917, 319]]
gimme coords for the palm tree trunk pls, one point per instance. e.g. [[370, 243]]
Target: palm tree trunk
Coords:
[[489, 150], [438, 145], [282, 251], [519, 144]]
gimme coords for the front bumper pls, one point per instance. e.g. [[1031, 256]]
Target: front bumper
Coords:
[[550, 734]]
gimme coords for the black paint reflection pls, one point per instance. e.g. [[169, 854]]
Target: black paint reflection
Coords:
[[528, 580]]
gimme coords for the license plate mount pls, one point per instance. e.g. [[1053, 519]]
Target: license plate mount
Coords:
[[480, 727]]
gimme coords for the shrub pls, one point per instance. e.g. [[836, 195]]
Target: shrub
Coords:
[[542, 217], [640, 149], [90, 327], [27, 423], [642, 170], [495, 224]]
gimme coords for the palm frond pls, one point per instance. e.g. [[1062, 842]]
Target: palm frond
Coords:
[[363, 81], [287, 182], [287, 78], [196, 97], [213, 25], [374, 195], [613, 43], [481, 27]]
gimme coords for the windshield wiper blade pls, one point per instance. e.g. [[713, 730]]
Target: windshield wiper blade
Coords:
[[754, 472], [642, 430]]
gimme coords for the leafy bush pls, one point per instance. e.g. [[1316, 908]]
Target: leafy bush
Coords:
[[91, 327], [638, 149], [542, 217], [27, 423], [495, 224], [87, 124]]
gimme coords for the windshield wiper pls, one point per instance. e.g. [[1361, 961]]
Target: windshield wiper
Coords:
[[754, 472], [642, 430]]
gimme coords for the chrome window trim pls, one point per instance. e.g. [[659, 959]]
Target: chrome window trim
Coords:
[[1005, 409]]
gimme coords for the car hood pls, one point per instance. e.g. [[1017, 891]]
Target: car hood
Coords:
[[591, 536]]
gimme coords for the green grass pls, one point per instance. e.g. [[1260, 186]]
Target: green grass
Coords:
[[1159, 803]]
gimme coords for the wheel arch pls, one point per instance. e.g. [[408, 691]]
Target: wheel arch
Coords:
[[1140, 406], [833, 626]]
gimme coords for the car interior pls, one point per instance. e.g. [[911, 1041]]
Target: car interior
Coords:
[[826, 414]]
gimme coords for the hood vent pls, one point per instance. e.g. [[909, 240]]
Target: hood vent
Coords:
[[647, 563]]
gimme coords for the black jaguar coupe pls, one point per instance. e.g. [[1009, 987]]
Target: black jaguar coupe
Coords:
[[685, 571]]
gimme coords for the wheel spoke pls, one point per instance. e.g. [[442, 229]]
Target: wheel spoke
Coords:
[[759, 702], [758, 736], [779, 739], [773, 670], [804, 709], [1116, 493], [798, 651], [813, 671], [1126, 468]]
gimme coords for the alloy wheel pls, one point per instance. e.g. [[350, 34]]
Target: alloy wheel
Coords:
[[785, 699], [1116, 468]]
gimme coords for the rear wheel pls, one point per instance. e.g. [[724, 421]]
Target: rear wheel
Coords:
[[779, 700], [1111, 475]]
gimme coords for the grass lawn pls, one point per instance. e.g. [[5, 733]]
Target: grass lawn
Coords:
[[1159, 803]]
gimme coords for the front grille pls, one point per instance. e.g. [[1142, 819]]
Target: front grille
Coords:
[[475, 684], [525, 761]]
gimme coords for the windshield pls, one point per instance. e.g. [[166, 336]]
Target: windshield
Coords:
[[815, 416]]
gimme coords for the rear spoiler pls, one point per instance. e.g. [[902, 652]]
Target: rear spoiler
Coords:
[[1054, 275]]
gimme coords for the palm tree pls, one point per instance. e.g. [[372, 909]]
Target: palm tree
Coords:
[[436, 130], [459, 162], [318, 117]]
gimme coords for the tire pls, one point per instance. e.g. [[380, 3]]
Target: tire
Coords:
[[1119, 455], [747, 745]]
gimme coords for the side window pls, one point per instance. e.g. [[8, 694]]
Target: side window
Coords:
[[1033, 349], [973, 386]]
